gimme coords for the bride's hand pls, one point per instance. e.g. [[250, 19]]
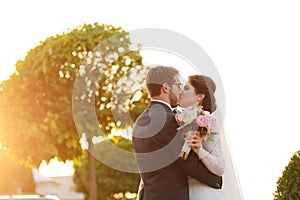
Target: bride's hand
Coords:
[[194, 141]]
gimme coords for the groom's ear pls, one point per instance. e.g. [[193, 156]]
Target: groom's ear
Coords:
[[165, 88]]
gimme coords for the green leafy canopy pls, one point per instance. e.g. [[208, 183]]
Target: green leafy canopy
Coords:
[[36, 116], [288, 185]]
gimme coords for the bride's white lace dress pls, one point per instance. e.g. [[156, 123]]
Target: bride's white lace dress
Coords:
[[211, 154], [217, 156]]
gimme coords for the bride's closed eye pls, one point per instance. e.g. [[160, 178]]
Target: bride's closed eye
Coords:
[[186, 87]]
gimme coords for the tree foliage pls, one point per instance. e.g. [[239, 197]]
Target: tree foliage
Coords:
[[36, 116], [109, 181], [288, 185], [14, 178]]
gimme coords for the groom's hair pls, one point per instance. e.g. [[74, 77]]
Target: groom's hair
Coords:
[[159, 75]]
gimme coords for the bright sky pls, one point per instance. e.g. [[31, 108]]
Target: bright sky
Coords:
[[56, 168], [255, 46]]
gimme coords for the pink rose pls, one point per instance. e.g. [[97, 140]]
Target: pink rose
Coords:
[[202, 121], [179, 118], [211, 122]]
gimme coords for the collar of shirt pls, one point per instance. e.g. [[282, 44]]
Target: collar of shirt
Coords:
[[167, 104]]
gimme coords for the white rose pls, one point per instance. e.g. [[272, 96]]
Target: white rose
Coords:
[[190, 116], [206, 113]]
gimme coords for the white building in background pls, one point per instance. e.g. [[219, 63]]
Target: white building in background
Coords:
[[63, 186]]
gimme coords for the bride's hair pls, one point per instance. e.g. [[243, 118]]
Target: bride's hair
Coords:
[[205, 85]]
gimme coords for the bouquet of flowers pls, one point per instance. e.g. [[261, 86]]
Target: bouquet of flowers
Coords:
[[195, 119]]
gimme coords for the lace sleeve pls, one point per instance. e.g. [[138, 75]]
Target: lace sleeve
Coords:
[[211, 154]]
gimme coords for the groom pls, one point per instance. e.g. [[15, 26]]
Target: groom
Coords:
[[157, 144]]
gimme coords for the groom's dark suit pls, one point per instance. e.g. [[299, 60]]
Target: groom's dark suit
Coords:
[[167, 181]]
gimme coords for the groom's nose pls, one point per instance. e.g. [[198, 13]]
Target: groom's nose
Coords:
[[180, 91], [179, 96]]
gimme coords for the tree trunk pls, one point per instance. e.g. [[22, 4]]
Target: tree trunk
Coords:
[[91, 171]]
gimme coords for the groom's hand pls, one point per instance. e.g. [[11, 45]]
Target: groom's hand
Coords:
[[194, 141]]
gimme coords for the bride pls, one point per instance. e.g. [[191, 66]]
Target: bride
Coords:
[[215, 153]]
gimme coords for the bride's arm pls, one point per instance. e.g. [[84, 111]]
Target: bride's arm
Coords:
[[212, 156], [210, 152]]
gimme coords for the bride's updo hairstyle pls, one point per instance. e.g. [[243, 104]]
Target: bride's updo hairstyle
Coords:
[[205, 85]]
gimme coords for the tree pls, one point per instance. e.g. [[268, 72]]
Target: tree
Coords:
[[288, 185], [44, 112], [14, 178], [109, 180]]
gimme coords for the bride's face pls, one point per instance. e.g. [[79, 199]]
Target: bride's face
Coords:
[[188, 97]]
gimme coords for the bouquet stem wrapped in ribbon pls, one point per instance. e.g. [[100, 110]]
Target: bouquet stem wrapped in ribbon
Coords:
[[185, 150], [195, 119]]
